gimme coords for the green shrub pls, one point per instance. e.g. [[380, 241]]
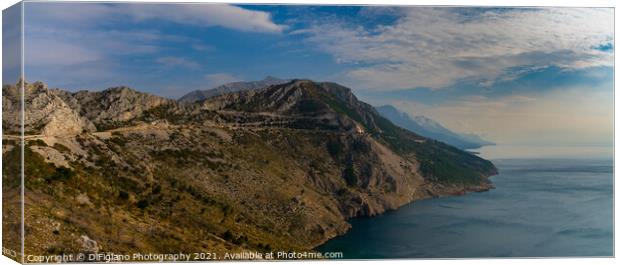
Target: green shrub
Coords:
[[123, 195], [61, 148], [118, 140], [9, 142], [228, 236], [37, 142], [156, 189], [61, 174], [142, 204], [349, 176], [334, 147]]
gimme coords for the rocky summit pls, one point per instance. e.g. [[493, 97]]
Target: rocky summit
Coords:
[[199, 95], [278, 168]]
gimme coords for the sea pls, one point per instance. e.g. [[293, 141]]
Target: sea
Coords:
[[548, 201]]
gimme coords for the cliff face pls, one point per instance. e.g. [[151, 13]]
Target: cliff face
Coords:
[[278, 168], [45, 112], [111, 107]]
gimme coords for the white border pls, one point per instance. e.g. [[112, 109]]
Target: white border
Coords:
[[572, 3], [569, 3]]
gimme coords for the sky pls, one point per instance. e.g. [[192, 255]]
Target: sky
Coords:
[[511, 75]]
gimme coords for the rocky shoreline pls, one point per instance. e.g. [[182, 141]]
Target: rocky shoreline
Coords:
[[437, 191]]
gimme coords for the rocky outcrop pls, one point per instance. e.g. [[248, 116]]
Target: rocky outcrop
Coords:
[[117, 104], [88, 245], [44, 112], [382, 179]]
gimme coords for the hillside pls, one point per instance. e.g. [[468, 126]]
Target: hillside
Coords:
[[278, 168], [429, 128]]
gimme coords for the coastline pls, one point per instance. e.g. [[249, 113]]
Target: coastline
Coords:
[[433, 192], [487, 225]]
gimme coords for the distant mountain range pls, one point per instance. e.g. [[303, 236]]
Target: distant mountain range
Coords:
[[429, 128], [199, 95]]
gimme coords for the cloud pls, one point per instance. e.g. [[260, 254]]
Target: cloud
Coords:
[[227, 16], [81, 48], [174, 61], [37, 52], [207, 15], [202, 47], [436, 47], [217, 79], [77, 14], [100, 35]]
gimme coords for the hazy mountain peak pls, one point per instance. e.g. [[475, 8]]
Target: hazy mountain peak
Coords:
[[270, 78], [391, 110], [428, 122], [430, 128]]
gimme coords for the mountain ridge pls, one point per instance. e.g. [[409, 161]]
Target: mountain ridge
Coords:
[[199, 95], [302, 156], [430, 128]]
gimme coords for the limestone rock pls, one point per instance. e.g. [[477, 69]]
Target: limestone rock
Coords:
[[44, 112], [88, 245]]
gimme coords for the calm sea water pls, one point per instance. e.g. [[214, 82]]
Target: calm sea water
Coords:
[[548, 202]]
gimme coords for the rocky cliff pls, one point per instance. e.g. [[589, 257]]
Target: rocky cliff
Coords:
[[278, 168], [111, 107], [45, 112]]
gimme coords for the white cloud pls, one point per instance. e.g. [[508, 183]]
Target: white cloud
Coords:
[[76, 33], [174, 61], [47, 52], [77, 14], [207, 15], [202, 47], [435, 47]]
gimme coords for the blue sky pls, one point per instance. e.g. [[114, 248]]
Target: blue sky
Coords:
[[473, 69]]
